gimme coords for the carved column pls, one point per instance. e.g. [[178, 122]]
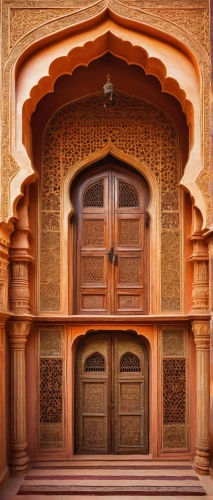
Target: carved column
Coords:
[[17, 333], [201, 330], [19, 293], [200, 260], [200, 287], [18, 330], [20, 257]]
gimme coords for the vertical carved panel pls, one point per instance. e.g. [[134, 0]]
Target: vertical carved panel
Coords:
[[175, 388], [3, 284], [170, 270], [51, 388]]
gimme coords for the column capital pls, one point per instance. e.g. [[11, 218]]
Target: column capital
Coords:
[[201, 330], [17, 332]]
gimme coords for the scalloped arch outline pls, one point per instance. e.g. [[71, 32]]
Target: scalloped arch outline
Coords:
[[151, 65]]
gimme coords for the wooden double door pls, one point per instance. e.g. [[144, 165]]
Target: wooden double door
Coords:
[[111, 394], [111, 263]]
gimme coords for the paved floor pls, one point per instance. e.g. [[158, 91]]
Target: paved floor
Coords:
[[116, 480]]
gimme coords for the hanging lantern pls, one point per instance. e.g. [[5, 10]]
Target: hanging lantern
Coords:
[[109, 94]]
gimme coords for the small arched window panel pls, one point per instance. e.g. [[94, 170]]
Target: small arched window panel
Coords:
[[127, 195], [129, 363], [94, 195], [95, 363]]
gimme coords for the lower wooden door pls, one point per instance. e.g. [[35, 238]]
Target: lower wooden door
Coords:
[[111, 394]]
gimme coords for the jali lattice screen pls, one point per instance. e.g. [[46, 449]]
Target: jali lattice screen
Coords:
[[51, 388], [175, 388], [136, 128]]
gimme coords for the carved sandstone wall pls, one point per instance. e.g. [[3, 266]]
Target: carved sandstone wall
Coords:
[[143, 132]]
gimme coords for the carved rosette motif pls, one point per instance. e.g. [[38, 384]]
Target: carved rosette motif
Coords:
[[17, 333], [201, 330]]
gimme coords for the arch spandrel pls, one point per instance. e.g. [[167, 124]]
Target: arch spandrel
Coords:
[[136, 17]]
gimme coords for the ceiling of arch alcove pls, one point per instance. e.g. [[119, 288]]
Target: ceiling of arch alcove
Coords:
[[84, 81]]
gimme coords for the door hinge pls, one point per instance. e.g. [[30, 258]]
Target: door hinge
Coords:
[[147, 220]]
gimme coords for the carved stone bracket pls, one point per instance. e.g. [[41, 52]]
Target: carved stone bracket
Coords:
[[201, 330], [17, 332]]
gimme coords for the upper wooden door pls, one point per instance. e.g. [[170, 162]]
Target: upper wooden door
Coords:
[[111, 395], [111, 244]]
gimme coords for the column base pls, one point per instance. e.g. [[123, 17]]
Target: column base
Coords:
[[201, 462], [19, 463]]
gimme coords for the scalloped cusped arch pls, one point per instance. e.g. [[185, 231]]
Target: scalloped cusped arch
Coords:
[[111, 33], [108, 42]]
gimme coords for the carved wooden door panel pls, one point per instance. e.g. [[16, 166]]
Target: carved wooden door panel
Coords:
[[112, 395], [129, 266], [92, 394], [111, 251], [130, 395]]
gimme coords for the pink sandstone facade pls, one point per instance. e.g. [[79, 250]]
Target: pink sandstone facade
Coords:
[[105, 231]]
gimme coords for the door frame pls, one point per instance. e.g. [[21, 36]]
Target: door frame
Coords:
[[111, 388], [153, 210], [112, 165]]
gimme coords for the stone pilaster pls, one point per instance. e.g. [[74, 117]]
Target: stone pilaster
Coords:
[[17, 332], [200, 287], [19, 293], [5, 231], [201, 330]]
